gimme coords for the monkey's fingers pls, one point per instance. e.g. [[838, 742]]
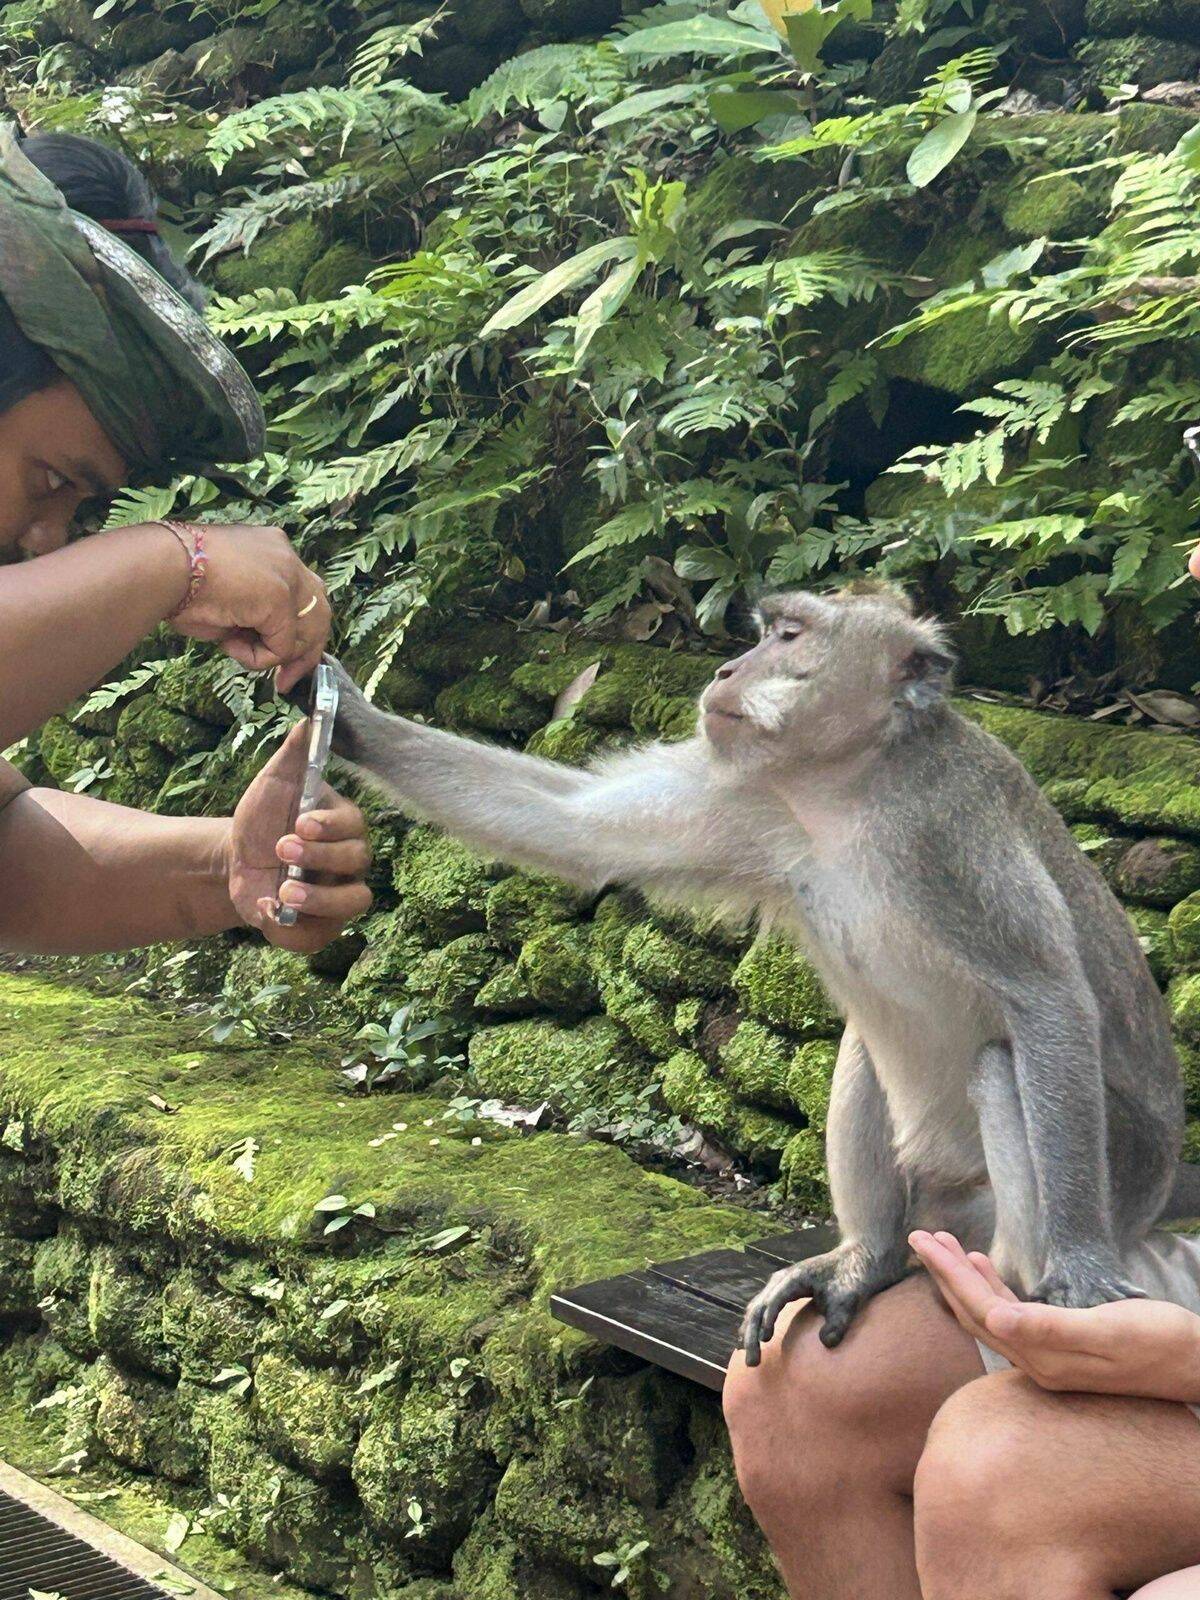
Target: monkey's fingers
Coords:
[[758, 1327], [840, 1312]]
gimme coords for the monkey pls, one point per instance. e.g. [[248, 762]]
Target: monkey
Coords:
[[1006, 1070]]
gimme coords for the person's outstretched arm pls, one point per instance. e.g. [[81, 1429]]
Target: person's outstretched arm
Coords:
[[78, 875], [69, 617]]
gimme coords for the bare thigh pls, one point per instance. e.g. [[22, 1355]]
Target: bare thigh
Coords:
[[1108, 1484], [1175, 1586], [869, 1402]]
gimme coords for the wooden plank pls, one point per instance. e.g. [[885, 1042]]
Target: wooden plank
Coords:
[[727, 1277], [656, 1320], [798, 1246]]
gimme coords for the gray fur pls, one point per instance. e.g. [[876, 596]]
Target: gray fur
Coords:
[[1007, 1069]]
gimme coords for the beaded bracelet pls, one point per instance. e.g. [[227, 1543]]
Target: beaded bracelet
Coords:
[[191, 538]]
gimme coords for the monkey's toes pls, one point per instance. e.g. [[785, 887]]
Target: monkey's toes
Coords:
[[1073, 1292]]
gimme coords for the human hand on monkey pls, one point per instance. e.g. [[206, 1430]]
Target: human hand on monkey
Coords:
[[330, 843], [1148, 1348]]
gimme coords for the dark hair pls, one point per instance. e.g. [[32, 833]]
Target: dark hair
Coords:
[[104, 185]]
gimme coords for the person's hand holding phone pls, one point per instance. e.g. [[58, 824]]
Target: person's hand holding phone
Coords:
[[329, 843]]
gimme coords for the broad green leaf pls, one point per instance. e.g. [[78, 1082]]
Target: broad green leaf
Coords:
[[332, 1202], [807, 31], [735, 109], [332, 1309], [604, 302], [698, 36], [939, 147], [559, 280], [1010, 264], [178, 1529], [640, 105]]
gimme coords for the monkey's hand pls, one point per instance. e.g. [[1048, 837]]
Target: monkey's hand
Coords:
[[839, 1283], [1079, 1279]]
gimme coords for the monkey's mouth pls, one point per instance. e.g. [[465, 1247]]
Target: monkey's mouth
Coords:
[[730, 716]]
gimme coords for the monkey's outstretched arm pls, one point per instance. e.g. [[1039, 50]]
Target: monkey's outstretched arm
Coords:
[[870, 1200], [644, 818]]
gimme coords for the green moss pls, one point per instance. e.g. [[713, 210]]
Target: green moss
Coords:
[[125, 1313], [402, 689], [395, 943], [449, 979], [1158, 871], [1184, 932], [802, 1171], [755, 1062], [556, 968], [664, 716], [523, 904], [550, 672], [207, 1329], [18, 1299], [1145, 128], [186, 686], [1113, 18], [810, 1079], [425, 1446], [1142, 781], [776, 984], [306, 1416], [1154, 936], [672, 966], [308, 1001], [145, 720], [141, 1423], [692, 1093], [65, 750], [647, 1018], [1055, 207], [571, 741], [278, 259], [575, 1068], [442, 884], [61, 1273], [1138, 58], [1183, 997], [342, 264], [488, 701]]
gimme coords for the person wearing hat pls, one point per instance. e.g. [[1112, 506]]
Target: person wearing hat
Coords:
[[108, 373]]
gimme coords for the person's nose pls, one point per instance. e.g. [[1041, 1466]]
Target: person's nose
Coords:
[[43, 537]]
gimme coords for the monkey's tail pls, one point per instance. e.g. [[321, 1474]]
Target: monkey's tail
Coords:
[[1184, 1199]]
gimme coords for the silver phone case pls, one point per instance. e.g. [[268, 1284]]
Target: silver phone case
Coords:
[[322, 713]]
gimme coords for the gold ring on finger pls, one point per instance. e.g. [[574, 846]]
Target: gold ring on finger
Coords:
[[309, 607]]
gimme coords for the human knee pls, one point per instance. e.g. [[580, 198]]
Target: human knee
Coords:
[[797, 1415], [984, 1521]]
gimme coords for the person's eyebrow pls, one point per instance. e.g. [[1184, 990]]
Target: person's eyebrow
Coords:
[[87, 473]]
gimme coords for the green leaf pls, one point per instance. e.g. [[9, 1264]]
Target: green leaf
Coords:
[[735, 109], [332, 1202], [567, 275], [807, 31], [699, 36], [939, 147], [603, 303], [178, 1529], [640, 105], [332, 1309]]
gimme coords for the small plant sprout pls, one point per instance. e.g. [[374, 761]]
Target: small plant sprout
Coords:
[[341, 1212], [622, 1559]]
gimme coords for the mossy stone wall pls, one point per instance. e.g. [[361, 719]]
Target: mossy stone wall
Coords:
[[384, 1410]]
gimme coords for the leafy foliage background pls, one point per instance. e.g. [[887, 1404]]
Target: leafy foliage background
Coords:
[[606, 331]]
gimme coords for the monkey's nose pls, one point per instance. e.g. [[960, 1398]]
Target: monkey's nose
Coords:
[[724, 671]]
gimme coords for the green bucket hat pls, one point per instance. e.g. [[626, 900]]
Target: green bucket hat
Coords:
[[160, 383]]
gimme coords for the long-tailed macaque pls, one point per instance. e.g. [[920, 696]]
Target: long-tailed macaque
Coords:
[[1006, 1070]]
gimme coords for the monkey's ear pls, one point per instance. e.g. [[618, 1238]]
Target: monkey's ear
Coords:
[[925, 675]]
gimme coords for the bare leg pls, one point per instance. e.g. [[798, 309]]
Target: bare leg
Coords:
[[1025, 1495], [1175, 1586], [826, 1442]]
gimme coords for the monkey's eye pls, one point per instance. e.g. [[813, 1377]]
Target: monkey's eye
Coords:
[[788, 630]]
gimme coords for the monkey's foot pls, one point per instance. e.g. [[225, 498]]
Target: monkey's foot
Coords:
[[839, 1283], [1085, 1279]]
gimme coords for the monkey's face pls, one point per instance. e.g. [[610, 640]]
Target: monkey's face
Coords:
[[830, 676]]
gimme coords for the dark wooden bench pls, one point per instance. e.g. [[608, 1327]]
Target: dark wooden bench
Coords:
[[684, 1315]]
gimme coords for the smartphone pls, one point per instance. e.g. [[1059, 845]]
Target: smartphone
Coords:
[[322, 713]]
